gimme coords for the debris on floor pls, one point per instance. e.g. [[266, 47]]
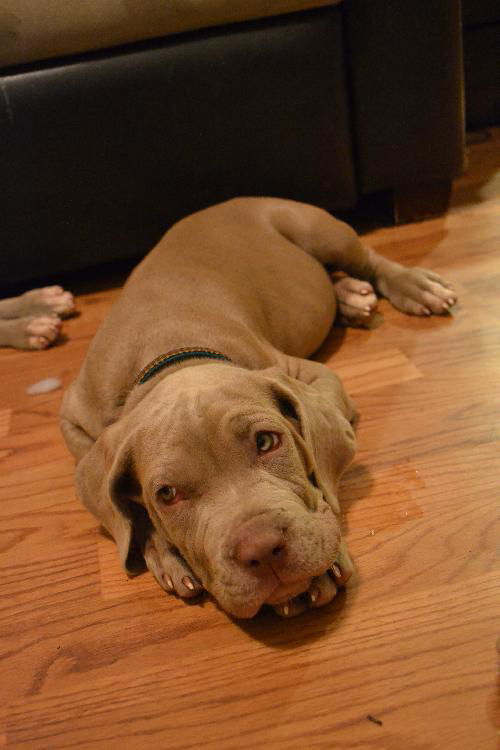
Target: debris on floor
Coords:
[[374, 720], [44, 386]]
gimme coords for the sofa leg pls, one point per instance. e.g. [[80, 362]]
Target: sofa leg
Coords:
[[418, 202]]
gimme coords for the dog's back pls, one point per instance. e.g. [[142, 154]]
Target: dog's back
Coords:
[[223, 278]]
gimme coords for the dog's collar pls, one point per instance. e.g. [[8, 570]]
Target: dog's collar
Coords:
[[174, 357]]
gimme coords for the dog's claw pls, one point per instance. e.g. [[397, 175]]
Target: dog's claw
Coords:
[[313, 595], [337, 571], [188, 583], [168, 582], [291, 608]]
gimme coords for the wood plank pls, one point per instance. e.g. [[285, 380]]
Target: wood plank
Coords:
[[414, 682], [374, 369], [5, 415]]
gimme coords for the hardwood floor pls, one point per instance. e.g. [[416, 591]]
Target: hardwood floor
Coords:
[[404, 660]]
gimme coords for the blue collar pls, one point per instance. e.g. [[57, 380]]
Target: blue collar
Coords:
[[173, 358]]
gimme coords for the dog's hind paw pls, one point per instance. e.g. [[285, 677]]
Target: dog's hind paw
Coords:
[[418, 291], [356, 301]]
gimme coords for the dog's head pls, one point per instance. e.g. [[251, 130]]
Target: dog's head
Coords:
[[239, 471]]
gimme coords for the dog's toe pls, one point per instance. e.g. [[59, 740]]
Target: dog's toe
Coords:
[[291, 608], [322, 590], [58, 300]]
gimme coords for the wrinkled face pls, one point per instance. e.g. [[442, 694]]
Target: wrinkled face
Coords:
[[226, 476]]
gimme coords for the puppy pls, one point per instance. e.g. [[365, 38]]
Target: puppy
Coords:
[[207, 444]]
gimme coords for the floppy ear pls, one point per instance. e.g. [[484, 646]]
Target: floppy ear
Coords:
[[108, 487], [324, 415]]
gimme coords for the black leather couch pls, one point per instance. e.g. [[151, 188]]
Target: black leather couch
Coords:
[[103, 151]]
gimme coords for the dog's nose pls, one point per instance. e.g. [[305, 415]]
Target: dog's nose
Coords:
[[260, 548]]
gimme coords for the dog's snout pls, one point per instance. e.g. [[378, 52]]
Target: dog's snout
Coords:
[[260, 547]]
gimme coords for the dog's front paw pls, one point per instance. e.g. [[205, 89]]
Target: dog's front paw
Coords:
[[170, 569], [323, 589], [417, 291]]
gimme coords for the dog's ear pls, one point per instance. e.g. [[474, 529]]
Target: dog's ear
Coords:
[[109, 488], [324, 416]]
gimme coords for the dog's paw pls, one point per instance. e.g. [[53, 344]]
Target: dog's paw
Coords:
[[322, 590], [356, 301], [170, 569], [30, 332], [417, 291], [48, 300]]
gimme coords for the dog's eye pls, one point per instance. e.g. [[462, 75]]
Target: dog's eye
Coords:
[[267, 441], [168, 495]]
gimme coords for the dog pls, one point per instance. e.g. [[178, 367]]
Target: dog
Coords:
[[207, 444]]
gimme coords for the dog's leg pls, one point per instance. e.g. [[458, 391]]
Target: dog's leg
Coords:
[[30, 332], [48, 301], [336, 245], [77, 440]]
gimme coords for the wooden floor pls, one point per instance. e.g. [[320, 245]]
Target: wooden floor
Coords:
[[404, 660]]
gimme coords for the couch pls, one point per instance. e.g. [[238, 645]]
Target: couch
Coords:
[[119, 117]]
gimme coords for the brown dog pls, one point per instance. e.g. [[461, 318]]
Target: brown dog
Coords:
[[207, 444]]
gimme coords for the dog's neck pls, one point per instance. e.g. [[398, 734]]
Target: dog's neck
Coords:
[[176, 357], [145, 382]]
